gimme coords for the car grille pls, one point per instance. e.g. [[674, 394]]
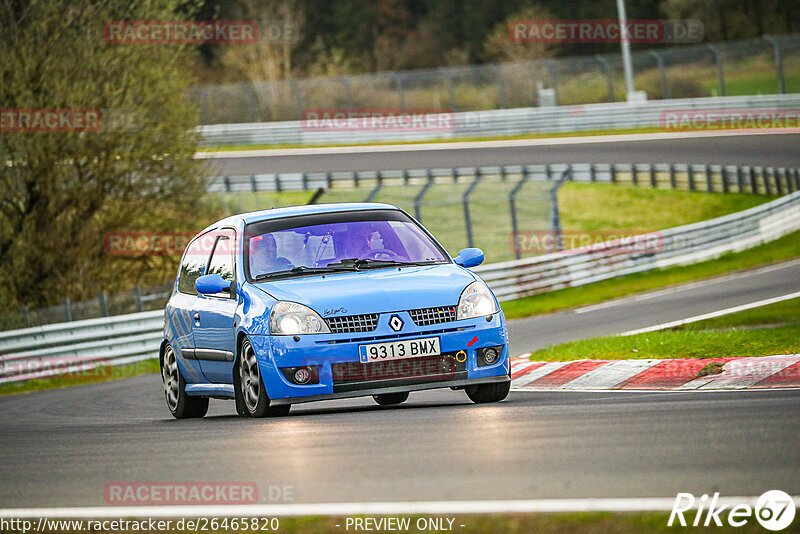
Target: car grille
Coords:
[[427, 316], [353, 323], [353, 376]]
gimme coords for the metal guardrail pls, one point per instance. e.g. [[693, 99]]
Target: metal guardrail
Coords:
[[69, 347], [683, 245], [494, 123]]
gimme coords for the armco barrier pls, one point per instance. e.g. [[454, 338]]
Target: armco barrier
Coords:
[[495, 123], [31, 352]]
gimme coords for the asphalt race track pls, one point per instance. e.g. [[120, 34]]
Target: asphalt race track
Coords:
[[61, 447], [763, 149]]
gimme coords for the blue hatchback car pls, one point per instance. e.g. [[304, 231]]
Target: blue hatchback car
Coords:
[[299, 304]]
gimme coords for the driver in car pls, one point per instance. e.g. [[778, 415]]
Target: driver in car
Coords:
[[264, 256]]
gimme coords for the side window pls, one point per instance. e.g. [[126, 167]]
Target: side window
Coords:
[[192, 267], [222, 258]]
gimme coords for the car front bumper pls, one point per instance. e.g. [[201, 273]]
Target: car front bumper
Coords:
[[336, 357]]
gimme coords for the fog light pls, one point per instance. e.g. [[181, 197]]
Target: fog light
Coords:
[[302, 375], [490, 356]]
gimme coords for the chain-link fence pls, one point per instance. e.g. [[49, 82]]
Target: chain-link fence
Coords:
[[768, 65], [104, 305]]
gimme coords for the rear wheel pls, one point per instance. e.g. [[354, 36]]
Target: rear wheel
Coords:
[[482, 393], [387, 399], [254, 399], [180, 405]]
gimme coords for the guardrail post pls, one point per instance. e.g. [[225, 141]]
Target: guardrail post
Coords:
[[609, 77], [421, 195], [101, 301], [776, 46], [634, 174], [253, 184], [278, 185], [753, 180], [137, 297], [304, 180], [512, 202], [653, 181], [740, 178], [777, 177], [592, 172], [227, 181], [67, 309], [765, 176], [27, 310], [555, 214], [709, 180], [673, 181], [465, 201], [405, 176], [374, 192], [613, 172], [503, 175], [720, 70], [662, 74], [797, 178], [690, 174], [398, 83], [329, 179], [724, 171]]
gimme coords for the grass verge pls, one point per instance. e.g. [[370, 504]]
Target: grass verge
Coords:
[[785, 248], [100, 374], [765, 331]]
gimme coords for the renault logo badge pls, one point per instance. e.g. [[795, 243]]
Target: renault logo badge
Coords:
[[396, 323]]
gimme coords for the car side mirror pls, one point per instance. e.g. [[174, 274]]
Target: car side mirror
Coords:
[[210, 284], [469, 257]]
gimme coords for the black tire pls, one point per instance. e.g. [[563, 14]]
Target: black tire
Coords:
[[483, 393], [180, 405], [387, 399], [252, 392]]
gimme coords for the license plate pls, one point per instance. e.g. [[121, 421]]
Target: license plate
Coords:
[[398, 350]]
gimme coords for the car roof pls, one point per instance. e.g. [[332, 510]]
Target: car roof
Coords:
[[293, 211]]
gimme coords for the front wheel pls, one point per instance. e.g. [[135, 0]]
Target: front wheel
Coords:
[[482, 393], [387, 399], [254, 399], [180, 405]]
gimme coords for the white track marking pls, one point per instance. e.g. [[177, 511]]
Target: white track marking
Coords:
[[508, 143], [743, 372], [684, 287], [712, 315], [609, 375], [538, 373], [637, 504]]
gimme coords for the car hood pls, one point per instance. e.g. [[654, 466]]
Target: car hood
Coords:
[[375, 290]]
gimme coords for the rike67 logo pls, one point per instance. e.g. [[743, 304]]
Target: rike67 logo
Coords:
[[774, 510]]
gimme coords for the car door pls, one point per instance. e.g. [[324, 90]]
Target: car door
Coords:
[[214, 335], [180, 308]]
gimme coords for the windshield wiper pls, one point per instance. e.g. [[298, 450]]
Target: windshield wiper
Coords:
[[368, 262], [302, 269]]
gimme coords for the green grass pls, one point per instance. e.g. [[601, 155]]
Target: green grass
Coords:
[[88, 377], [764, 331], [780, 313], [785, 248], [560, 523], [688, 343]]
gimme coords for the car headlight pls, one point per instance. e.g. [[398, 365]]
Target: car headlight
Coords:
[[476, 301], [290, 319]]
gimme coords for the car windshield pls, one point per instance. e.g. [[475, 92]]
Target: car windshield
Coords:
[[337, 242]]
